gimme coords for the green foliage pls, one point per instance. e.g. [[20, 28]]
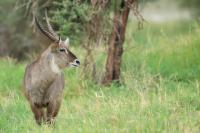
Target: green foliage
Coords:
[[16, 33], [150, 100], [71, 17], [163, 106], [192, 5], [6, 9], [8, 66], [168, 50], [74, 19]]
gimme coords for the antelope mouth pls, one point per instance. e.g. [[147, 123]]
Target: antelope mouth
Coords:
[[76, 63]]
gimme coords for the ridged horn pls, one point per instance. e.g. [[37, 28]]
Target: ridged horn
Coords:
[[50, 27], [46, 33]]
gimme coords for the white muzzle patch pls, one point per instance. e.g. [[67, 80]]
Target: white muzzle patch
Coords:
[[76, 63]]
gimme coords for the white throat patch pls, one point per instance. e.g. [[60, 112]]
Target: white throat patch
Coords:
[[54, 66]]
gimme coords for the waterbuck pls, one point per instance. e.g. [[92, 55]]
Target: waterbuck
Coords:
[[44, 80]]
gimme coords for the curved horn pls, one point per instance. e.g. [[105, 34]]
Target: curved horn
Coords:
[[50, 27], [46, 33]]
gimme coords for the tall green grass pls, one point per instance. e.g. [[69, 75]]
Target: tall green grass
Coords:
[[160, 90], [170, 50]]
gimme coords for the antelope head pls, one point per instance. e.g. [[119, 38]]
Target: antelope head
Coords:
[[61, 55]]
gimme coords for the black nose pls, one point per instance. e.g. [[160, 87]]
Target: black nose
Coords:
[[77, 62]]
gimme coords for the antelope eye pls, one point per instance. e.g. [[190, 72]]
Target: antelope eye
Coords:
[[62, 50]]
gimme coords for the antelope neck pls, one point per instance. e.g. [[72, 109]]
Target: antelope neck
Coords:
[[54, 67]]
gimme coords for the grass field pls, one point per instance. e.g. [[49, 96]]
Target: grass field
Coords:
[[160, 90]]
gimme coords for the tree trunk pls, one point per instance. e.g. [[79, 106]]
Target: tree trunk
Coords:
[[117, 38]]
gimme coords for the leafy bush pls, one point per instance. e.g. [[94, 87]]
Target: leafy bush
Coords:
[[71, 18]]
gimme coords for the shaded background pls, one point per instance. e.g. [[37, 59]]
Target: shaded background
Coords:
[[160, 70], [17, 31]]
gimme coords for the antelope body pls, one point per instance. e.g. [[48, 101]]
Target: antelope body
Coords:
[[44, 80]]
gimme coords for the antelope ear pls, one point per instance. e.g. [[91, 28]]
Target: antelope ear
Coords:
[[66, 42]]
